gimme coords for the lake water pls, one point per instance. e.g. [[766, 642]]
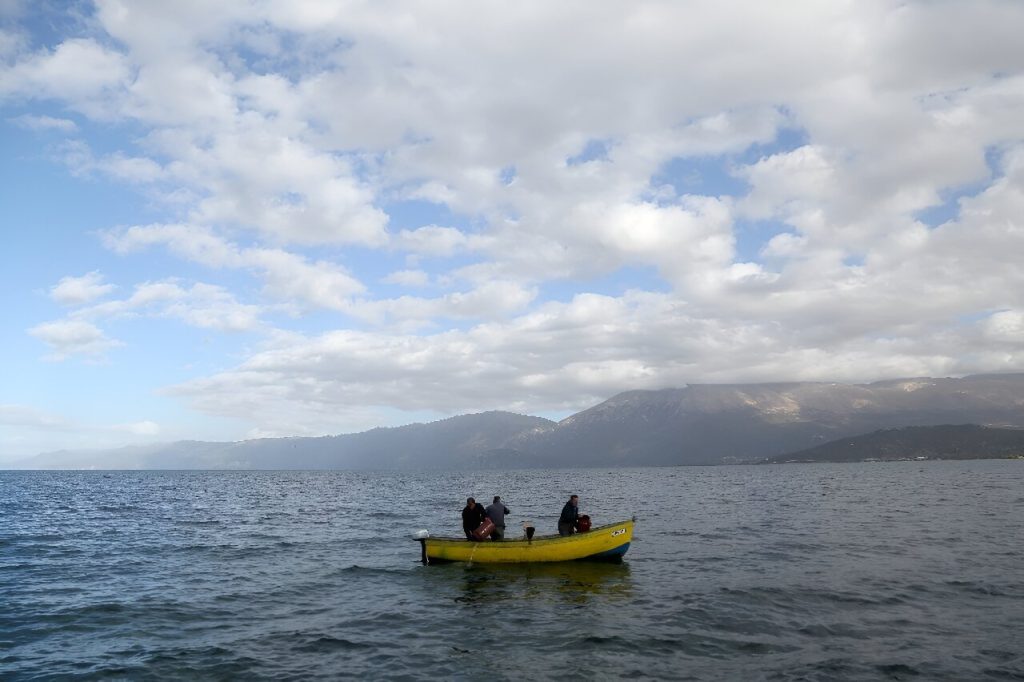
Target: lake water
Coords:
[[799, 572]]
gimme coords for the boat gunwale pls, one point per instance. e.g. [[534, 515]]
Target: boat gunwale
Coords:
[[546, 539]]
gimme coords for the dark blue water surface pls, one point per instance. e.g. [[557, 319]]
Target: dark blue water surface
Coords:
[[799, 572]]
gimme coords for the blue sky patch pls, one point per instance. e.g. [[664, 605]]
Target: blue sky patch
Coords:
[[949, 209], [410, 214], [593, 150], [752, 236], [701, 175], [786, 140]]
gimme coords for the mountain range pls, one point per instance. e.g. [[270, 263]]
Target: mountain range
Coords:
[[700, 424], [948, 441]]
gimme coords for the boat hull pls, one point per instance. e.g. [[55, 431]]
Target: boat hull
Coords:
[[604, 543]]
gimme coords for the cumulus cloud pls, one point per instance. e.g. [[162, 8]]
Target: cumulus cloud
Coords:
[[117, 166], [563, 357], [21, 415], [79, 71], [287, 276], [143, 428], [1006, 326], [408, 278], [201, 305], [320, 284], [79, 290], [622, 196], [488, 300], [284, 189], [73, 337], [28, 430], [432, 240], [30, 122]]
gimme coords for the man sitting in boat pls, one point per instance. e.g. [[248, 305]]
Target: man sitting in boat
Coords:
[[496, 513], [472, 516], [570, 518]]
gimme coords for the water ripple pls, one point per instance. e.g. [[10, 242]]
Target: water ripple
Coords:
[[853, 572]]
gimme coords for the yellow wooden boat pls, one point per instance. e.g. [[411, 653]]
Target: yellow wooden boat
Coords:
[[603, 543]]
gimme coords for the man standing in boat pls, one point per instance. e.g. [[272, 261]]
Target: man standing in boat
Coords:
[[570, 518], [472, 516], [496, 513]]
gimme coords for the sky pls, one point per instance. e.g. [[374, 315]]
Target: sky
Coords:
[[262, 218]]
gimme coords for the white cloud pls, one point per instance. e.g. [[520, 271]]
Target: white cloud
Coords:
[[1006, 326], [432, 240], [408, 278], [287, 276], [28, 431], [488, 300], [79, 71], [143, 428], [290, 277], [788, 184], [45, 123], [10, 44], [197, 244], [79, 290], [21, 415], [117, 166], [202, 305], [936, 46], [562, 357], [270, 138], [284, 189], [73, 337]]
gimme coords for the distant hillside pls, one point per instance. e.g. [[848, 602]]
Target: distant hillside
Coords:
[[965, 441], [713, 424], [698, 424], [471, 441]]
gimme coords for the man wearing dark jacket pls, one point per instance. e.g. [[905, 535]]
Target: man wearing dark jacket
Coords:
[[472, 516], [570, 518]]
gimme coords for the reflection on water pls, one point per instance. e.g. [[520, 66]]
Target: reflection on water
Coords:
[[575, 581], [816, 572]]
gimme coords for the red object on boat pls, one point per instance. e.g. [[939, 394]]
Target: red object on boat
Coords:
[[484, 530], [583, 525]]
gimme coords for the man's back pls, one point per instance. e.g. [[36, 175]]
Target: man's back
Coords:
[[496, 513]]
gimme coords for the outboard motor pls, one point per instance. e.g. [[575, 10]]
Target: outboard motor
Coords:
[[421, 536]]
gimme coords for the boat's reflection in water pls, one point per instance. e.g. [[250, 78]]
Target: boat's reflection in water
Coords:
[[570, 581]]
